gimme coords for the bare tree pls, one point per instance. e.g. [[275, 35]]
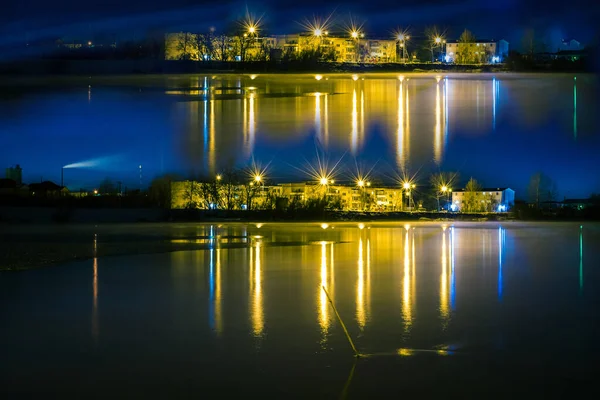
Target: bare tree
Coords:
[[541, 188], [466, 52], [222, 47], [473, 198], [434, 40]]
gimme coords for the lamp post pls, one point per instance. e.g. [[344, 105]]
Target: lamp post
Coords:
[[402, 38], [407, 186]]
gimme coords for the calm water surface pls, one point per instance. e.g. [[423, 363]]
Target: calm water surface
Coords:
[[460, 308], [499, 128]]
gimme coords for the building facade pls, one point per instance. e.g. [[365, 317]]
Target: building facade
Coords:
[[197, 195], [484, 51], [486, 200]]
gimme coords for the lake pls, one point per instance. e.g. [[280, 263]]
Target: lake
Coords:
[[434, 309], [499, 128]]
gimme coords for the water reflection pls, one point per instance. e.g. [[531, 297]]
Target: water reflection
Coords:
[[407, 285], [581, 258], [501, 238], [327, 281], [256, 301], [363, 282], [216, 321], [95, 327], [444, 292], [575, 108]]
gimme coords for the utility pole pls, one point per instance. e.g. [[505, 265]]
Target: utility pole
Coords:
[[140, 177]]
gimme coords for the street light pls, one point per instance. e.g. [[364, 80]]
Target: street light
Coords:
[[257, 178], [317, 32], [361, 183], [323, 181], [219, 177]]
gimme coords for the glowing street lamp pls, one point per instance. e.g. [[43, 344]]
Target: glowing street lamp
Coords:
[[219, 177], [438, 40], [361, 183], [317, 32], [323, 181], [354, 34], [257, 178]]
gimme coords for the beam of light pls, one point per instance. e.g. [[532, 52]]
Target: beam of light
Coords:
[[444, 310], [581, 259], [400, 134], [354, 133], [257, 300], [360, 288], [100, 162], [95, 326], [323, 303], [437, 132], [500, 251], [575, 109], [452, 272], [406, 303]]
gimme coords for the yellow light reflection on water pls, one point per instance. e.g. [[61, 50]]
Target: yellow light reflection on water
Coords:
[[400, 135], [360, 288], [217, 299], [318, 114], [323, 303], [257, 310], [444, 299], [95, 328], [406, 301], [354, 133], [437, 131], [212, 152]]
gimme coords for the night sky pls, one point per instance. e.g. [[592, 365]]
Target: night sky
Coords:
[[552, 20]]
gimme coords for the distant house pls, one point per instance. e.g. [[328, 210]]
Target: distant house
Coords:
[[503, 198], [570, 45], [47, 189], [488, 51]]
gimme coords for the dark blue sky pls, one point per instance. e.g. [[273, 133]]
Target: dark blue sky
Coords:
[[553, 20]]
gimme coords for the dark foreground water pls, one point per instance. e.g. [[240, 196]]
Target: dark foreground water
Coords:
[[457, 309]]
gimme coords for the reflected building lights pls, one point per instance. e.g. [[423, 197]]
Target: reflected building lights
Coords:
[[452, 276], [360, 288], [444, 311], [354, 133], [501, 233], [400, 135], [445, 112], [406, 286], [318, 115], [437, 131], [257, 311], [326, 121], [252, 125], [581, 258], [575, 109], [95, 328], [494, 99], [212, 145], [323, 303], [215, 315]]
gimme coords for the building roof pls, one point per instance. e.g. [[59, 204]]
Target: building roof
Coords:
[[477, 41]]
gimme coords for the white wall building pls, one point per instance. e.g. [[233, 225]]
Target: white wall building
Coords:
[[499, 199]]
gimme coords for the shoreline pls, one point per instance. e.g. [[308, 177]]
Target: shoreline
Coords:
[[27, 246]]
